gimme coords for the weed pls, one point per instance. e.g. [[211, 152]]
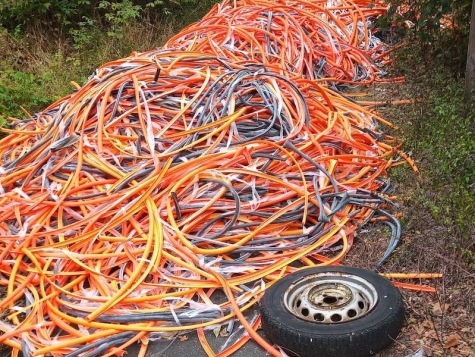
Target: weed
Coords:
[[442, 138], [18, 88], [439, 27], [37, 66]]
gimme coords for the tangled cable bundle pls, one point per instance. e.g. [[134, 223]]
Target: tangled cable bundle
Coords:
[[320, 39], [173, 175]]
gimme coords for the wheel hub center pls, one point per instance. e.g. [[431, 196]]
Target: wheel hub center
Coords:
[[330, 296]]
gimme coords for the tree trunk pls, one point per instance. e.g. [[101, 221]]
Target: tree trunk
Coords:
[[470, 69]]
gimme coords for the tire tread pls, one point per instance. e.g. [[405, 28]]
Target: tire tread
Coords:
[[361, 343]]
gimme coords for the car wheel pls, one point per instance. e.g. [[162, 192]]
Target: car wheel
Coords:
[[332, 311]]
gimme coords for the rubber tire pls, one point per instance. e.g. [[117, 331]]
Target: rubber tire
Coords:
[[362, 337]]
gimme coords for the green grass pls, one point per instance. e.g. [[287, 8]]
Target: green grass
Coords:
[[440, 133]]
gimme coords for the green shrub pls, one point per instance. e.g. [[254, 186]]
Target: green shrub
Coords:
[[50, 43], [440, 26], [19, 14], [441, 135], [21, 89]]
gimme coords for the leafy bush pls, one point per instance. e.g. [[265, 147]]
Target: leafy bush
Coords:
[[47, 43], [440, 26], [20, 88], [86, 20], [448, 133], [17, 14]]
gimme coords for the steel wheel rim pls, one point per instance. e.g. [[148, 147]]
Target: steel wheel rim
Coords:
[[330, 298]]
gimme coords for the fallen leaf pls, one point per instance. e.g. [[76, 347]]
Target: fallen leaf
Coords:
[[438, 309], [427, 324], [183, 338], [466, 351], [452, 341], [428, 351], [433, 335], [169, 335], [216, 331], [224, 332], [419, 328]]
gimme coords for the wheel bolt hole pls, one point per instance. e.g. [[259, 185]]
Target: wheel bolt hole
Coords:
[[330, 299], [336, 318], [351, 313], [361, 304], [318, 317], [305, 312], [299, 302]]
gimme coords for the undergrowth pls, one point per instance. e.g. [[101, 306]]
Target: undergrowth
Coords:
[[439, 132], [39, 61]]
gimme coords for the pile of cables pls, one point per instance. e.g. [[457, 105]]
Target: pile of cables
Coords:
[[212, 166], [317, 39]]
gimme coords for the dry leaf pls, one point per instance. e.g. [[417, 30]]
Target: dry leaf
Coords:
[[419, 329], [168, 335], [427, 324], [224, 333], [216, 331], [452, 341], [466, 351], [428, 351], [183, 338], [438, 309]]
